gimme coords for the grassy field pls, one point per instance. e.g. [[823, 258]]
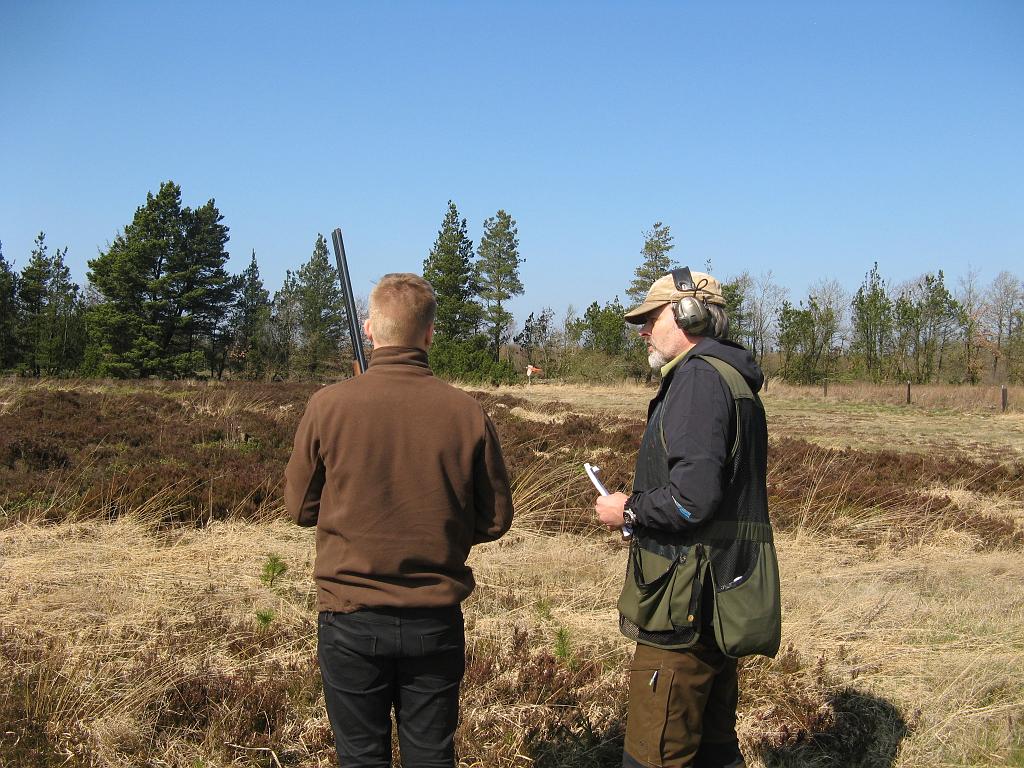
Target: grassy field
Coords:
[[155, 610]]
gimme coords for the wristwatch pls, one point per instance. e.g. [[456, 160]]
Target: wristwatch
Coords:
[[628, 517]]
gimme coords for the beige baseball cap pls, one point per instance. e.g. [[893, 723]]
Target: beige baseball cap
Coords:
[[664, 291]]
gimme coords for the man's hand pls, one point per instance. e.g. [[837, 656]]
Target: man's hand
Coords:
[[609, 510]]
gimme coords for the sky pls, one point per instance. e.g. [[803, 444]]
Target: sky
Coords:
[[806, 138]]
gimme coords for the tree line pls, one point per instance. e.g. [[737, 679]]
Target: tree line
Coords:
[[922, 330], [160, 302]]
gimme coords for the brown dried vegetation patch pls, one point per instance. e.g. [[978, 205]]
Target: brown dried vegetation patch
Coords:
[[134, 521], [192, 455]]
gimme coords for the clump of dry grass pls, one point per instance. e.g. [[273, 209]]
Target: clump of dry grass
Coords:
[[526, 704]]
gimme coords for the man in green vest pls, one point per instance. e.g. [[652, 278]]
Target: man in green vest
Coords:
[[702, 586]]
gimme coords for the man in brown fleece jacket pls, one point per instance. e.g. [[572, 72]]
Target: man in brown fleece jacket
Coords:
[[401, 474]]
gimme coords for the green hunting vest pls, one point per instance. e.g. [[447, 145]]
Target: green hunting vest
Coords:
[[661, 604]]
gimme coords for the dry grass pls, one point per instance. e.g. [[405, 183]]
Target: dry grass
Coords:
[[621, 399], [937, 630], [964, 398], [931, 397], [863, 416], [129, 640], [122, 620]]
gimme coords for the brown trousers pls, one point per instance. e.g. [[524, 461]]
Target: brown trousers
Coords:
[[682, 709]]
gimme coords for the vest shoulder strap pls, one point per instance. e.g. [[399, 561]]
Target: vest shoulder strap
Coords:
[[733, 378], [738, 387]]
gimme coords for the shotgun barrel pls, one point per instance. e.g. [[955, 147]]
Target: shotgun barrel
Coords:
[[350, 301]]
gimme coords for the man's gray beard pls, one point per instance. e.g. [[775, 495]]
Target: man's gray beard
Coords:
[[656, 359]]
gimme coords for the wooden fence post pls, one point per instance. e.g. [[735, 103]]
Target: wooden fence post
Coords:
[[908, 392], [1005, 398]]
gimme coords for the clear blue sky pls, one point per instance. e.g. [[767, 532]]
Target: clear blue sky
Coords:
[[810, 138]]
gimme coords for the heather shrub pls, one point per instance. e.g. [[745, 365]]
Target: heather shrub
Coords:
[[182, 454]]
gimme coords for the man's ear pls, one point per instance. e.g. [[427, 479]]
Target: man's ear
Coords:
[[430, 336], [366, 330]]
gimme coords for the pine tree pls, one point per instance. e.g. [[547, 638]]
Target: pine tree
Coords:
[[63, 342], [449, 269], [8, 314], [322, 311], [536, 334], [165, 290], [605, 328], [285, 326], [249, 317], [736, 294], [656, 262], [203, 290], [925, 317], [809, 335], [497, 268], [872, 322], [33, 295]]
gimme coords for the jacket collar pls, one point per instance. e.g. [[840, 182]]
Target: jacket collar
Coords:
[[669, 370], [413, 356]]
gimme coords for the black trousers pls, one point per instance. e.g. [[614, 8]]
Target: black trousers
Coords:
[[411, 659]]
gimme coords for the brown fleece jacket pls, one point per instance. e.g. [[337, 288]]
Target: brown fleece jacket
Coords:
[[401, 473]]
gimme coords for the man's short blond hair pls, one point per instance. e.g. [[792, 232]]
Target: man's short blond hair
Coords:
[[402, 308]]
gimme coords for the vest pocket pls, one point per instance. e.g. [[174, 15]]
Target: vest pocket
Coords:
[[657, 594], [748, 617]]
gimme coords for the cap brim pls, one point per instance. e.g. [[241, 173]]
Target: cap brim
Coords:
[[637, 315]]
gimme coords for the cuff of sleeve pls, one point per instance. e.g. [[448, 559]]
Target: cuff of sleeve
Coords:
[[633, 504]]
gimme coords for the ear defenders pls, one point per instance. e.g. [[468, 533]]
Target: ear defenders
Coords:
[[692, 315]]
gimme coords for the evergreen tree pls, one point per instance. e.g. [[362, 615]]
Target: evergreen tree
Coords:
[[165, 290], [249, 318], [49, 328], [872, 322], [926, 315], [536, 334], [8, 314], [32, 285], [656, 261], [497, 265], [322, 311], [285, 327], [449, 269], [736, 293], [63, 342], [808, 337], [33, 298], [605, 328], [202, 288]]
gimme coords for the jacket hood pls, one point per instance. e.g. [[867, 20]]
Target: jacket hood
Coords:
[[735, 355]]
